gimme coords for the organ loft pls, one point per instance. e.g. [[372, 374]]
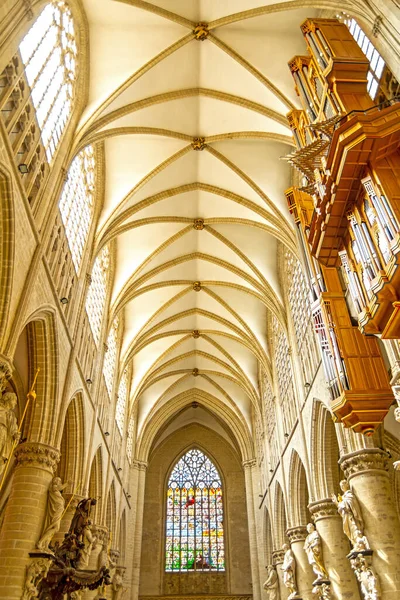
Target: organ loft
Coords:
[[199, 300]]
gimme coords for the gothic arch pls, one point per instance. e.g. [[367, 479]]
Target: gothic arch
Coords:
[[96, 484], [268, 540], [111, 511], [324, 452], [299, 497], [280, 519], [122, 538], [72, 444]]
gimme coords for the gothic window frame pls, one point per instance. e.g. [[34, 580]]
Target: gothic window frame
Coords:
[[130, 431], [205, 566], [111, 354], [121, 403], [99, 284]]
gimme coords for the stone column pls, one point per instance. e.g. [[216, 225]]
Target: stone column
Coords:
[[277, 560], [367, 472], [35, 465], [304, 572], [248, 466], [137, 538], [335, 548]]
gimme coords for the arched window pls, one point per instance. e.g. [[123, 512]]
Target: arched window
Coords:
[[77, 202], [194, 532], [48, 52], [284, 374], [376, 62], [110, 357], [121, 402], [129, 441], [96, 297]]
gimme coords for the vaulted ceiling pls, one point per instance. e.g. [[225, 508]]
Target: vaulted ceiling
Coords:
[[193, 124]]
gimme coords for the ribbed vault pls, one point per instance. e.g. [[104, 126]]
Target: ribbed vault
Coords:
[[192, 121]]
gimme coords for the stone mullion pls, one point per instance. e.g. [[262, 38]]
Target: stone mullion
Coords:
[[24, 514], [304, 573], [367, 472], [250, 495], [335, 547]]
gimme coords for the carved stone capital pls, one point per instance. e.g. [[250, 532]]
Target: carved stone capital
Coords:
[[140, 465], [277, 557], [34, 454], [323, 509], [363, 461], [297, 534], [249, 464]]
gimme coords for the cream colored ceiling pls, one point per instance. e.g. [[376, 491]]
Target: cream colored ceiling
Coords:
[[154, 88]]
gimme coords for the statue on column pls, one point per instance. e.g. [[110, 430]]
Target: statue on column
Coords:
[[313, 549], [271, 585], [81, 517], [365, 574], [88, 540], [55, 511], [289, 571], [117, 585], [350, 511], [8, 426]]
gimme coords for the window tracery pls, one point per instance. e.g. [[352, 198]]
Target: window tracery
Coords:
[[77, 202], [270, 421], [129, 441], [96, 297], [284, 375], [110, 357], [121, 402], [194, 524]]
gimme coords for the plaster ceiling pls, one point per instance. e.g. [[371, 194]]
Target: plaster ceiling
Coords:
[[154, 89]]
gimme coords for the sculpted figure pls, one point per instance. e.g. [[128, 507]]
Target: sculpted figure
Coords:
[[55, 509], [35, 572], [88, 540], [289, 570], [313, 549], [369, 582], [271, 585], [81, 516], [8, 426], [117, 586], [350, 511]]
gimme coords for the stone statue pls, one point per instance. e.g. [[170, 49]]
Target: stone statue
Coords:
[[313, 549], [88, 540], [55, 510], [271, 585], [117, 586], [365, 574], [289, 571], [8, 426], [350, 511], [323, 591], [81, 517], [35, 572]]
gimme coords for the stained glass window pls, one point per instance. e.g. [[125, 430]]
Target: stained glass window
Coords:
[[96, 297], [48, 52], [121, 402], [194, 533], [110, 356], [76, 202]]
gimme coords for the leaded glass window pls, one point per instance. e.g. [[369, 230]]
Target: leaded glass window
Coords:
[[194, 531], [129, 441], [77, 201], [284, 375], [376, 62], [110, 356], [121, 402], [48, 52], [96, 297]]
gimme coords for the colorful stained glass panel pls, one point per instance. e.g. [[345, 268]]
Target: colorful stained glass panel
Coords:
[[194, 516]]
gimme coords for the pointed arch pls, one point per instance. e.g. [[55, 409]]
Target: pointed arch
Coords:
[[299, 497], [122, 538], [72, 443], [324, 452], [280, 519], [96, 484], [268, 540], [111, 510]]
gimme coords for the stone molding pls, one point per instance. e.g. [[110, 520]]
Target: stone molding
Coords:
[[140, 465], [249, 464], [323, 509], [277, 557], [364, 461], [297, 534], [35, 454]]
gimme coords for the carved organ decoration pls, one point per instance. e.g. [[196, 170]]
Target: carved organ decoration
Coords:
[[347, 212]]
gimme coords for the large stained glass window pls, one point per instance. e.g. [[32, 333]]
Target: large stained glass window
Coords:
[[194, 532]]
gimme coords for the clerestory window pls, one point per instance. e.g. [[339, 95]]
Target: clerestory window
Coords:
[[194, 523], [121, 402], [96, 298], [110, 357]]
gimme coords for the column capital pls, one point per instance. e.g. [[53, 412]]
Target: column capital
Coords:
[[362, 461], [140, 465], [323, 509], [277, 557], [297, 534], [249, 464], [35, 454]]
